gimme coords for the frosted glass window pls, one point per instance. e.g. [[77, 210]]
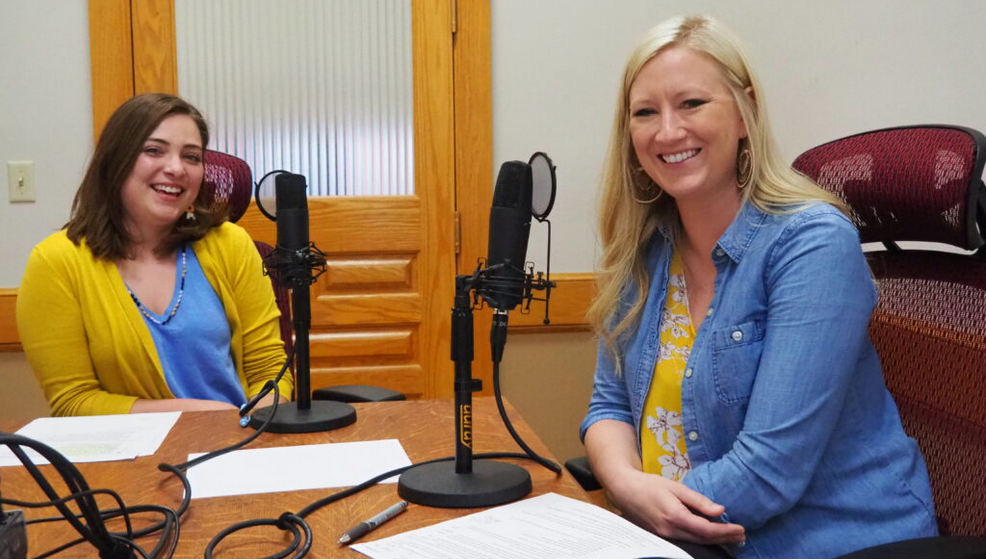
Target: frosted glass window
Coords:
[[317, 87]]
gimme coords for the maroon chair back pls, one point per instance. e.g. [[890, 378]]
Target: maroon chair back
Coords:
[[230, 181], [924, 184]]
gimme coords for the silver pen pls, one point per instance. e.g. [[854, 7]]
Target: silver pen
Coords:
[[372, 523]]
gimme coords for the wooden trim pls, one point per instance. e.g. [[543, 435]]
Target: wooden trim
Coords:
[[474, 157], [154, 47], [567, 307], [110, 58], [473, 129], [434, 172], [9, 341], [123, 64], [569, 302]]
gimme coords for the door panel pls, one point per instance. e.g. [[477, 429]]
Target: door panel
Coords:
[[368, 308]]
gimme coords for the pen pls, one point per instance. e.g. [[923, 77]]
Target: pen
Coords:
[[372, 523]]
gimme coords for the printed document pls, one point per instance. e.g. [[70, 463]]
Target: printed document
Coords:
[[326, 465], [548, 526], [90, 439]]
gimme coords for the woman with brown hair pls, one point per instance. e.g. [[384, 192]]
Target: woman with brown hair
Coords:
[[148, 300]]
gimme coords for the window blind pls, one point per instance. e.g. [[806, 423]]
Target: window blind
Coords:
[[317, 87]]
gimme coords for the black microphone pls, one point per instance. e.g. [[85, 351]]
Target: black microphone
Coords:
[[510, 227], [294, 263], [292, 228]]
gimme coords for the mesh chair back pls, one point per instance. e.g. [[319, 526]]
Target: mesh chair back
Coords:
[[929, 328], [906, 184], [230, 181]]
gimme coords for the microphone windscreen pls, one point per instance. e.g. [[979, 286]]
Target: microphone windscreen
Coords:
[[290, 191], [292, 211], [510, 223], [513, 186]]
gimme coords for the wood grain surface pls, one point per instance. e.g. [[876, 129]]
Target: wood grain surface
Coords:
[[425, 428]]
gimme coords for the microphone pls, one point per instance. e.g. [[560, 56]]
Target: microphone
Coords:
[[510, 228], [293, 263], [293, 260], [502, 281]]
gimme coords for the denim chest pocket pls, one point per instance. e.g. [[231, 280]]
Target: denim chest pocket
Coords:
[[736, 354]]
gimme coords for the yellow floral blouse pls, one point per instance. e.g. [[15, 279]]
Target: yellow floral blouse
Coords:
[[662, 439]]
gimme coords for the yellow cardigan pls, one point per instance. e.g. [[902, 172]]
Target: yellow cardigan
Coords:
[[89, 346]]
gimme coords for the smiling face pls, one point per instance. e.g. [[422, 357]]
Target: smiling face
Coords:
[[165, 179], [685, 126]]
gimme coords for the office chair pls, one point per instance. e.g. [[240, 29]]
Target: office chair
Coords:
[[921, 184], [924, 184], [230, 181]]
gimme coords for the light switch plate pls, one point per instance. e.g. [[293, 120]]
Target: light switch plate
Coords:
[[20, 178]]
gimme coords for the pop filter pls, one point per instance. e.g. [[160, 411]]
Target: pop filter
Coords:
[[266, 194], [543, 185]]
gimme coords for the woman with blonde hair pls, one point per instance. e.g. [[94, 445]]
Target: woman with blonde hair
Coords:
[[738, 399]]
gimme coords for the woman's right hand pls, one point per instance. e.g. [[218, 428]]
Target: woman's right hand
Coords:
[[664, 507], [670, 509]]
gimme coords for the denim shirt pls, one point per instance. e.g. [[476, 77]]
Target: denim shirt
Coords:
[[789, 424]]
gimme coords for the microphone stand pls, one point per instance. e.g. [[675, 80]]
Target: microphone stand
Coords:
[[303, 415], [465, 484]]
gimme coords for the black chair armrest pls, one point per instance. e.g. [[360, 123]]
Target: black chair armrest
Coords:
[[357, 393], [930, 547], [580, 469]]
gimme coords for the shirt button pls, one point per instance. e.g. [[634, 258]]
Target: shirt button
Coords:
[[688, 372], [710, 312], [741, 544], [693, 435], [737, 336], [720, 252]]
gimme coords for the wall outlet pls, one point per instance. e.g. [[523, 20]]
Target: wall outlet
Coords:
[[20, 178]]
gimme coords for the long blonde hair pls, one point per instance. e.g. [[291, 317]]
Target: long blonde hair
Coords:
[[626, 225]]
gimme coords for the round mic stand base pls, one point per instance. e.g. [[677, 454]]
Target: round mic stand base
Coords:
[[321, 417], [490, 483]]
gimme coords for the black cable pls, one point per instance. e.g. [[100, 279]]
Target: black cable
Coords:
[[546, 463], [171, 523], [288, 519], [93, 530], [89, 522]]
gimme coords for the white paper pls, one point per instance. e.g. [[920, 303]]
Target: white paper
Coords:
[[89, 439], [548, 526], [301, 467]]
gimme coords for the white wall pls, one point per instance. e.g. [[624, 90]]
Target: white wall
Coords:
[[828, 69], [45, 116]]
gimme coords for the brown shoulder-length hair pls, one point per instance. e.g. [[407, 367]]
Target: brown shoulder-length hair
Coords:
[[98, 216]]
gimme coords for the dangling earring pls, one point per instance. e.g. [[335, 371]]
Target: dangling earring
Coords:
[[190, 213], [639, 194], [654, 187], [744, 165]]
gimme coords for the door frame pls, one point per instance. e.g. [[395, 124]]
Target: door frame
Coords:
[[452, 89]]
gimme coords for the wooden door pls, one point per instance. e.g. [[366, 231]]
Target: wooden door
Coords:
[[380, 315]]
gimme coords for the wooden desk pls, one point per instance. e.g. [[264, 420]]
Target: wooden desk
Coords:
[[424, 428]]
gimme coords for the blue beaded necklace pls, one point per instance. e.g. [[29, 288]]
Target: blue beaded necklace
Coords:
[[181, 292]]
